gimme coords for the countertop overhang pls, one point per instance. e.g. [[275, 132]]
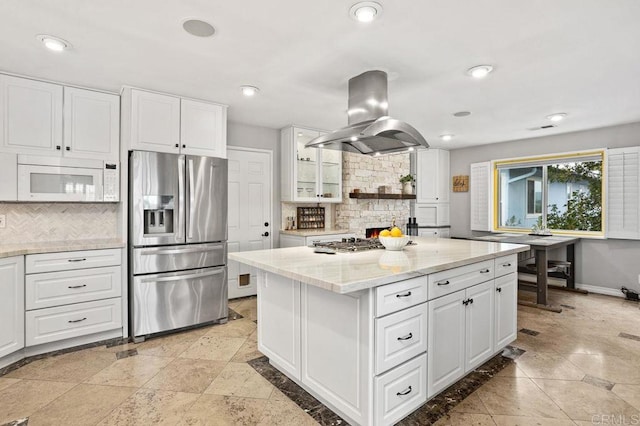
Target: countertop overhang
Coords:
[[349, 272], [9, 250]]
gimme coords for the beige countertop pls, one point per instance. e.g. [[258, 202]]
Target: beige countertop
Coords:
[[349, 272], [8, 250], [314, 232]]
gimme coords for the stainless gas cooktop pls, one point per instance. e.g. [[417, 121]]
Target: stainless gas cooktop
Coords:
[[350, 244]]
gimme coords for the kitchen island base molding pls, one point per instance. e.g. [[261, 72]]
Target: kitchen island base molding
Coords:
[[371, 366]]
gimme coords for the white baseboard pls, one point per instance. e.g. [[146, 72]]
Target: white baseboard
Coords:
[[608, 291], [600, 290]]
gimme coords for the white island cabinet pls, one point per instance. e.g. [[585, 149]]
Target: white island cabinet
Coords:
[[375, 334]]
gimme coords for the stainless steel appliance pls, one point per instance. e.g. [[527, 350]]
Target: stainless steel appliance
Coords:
[[177, 241], [350, 244], [67, 179], [371, 131]]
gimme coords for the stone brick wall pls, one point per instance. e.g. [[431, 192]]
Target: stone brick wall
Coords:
[[367, 174]]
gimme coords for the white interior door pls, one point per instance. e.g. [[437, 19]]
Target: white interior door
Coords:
[[250, 221]]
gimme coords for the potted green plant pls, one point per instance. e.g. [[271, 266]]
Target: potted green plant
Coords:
[[407, 183]]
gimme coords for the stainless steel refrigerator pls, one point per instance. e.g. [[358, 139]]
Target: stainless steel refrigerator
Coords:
[[177, 241]]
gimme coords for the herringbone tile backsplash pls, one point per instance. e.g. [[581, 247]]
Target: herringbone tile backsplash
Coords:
[[37, 222]]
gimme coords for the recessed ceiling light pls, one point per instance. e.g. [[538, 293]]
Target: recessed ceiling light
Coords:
[[480, 71], [299, 134], [446, 138], [53, 43], [321, 145], [377, 154], [249, 91], [365, 11], [462, 114], [353, 138], [411, 149], [198, 28], [559, 116]]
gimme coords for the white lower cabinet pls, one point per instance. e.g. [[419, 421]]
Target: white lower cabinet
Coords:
[[400, 391], [71, 295], [279, 321], [460, 334], [446, 341], [400, 337], [374, 356], [64, 322], [11, 305], [479, 324], [506, 313]]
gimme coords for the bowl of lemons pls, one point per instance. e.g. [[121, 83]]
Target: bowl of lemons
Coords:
[[393, 239]]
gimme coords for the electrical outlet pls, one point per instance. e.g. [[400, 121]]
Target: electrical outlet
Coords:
[[3, 223]]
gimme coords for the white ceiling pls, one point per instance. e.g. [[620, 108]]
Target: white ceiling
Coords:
[[576, 56]]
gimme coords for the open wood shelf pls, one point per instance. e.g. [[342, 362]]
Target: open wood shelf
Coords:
[[376, 196]]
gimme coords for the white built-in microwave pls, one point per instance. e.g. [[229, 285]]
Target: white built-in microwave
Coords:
[[67, 179]]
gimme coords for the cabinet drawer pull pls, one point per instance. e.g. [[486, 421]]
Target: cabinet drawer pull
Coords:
[[80, 259], [485, 271], [506, 265], [444, 283], [77, 286], [80, 320], [407, 337], [405, 392], [407, 294], [467, 302], [499, 289]]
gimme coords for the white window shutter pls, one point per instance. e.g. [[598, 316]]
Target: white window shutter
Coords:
[[623, 193], [481, 196]]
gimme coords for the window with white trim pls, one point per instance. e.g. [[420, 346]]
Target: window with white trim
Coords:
[[560, 193]]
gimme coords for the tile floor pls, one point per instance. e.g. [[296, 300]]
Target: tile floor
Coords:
[[578, 370]]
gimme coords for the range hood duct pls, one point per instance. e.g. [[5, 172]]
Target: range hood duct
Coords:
[[370, 131]]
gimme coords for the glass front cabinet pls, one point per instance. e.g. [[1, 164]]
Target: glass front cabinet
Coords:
[[309, 174]]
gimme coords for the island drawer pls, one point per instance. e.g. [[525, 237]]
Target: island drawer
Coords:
[[452, 280], [506, 265], [66, 287], [64, 322], [400, 391], [65, 261], [401, 295], [400, 337]]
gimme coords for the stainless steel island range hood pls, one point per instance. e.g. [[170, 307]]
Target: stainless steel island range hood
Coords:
[[370, 131]]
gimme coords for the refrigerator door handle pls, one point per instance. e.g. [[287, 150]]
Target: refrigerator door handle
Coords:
[[191, 202], [183, 277], [182, 250], [179, 235]]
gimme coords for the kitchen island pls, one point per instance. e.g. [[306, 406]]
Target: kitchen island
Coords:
[[375, 334]]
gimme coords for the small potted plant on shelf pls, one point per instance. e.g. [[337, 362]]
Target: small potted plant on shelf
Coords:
[[407, 183]]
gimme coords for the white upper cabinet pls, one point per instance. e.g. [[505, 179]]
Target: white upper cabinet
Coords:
[[49, 119], [432, 176], [155, 122], [623, 193], [165, 123], [30, 116], [91, 124], [309, 174], [203, 129]]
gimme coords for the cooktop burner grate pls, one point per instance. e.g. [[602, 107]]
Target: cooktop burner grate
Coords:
[[350, 244]]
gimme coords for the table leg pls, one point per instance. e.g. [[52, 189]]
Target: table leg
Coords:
[[541, 272], [571, 258]]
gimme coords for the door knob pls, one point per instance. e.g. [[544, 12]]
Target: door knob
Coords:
[[266, 224], [266, 234]]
